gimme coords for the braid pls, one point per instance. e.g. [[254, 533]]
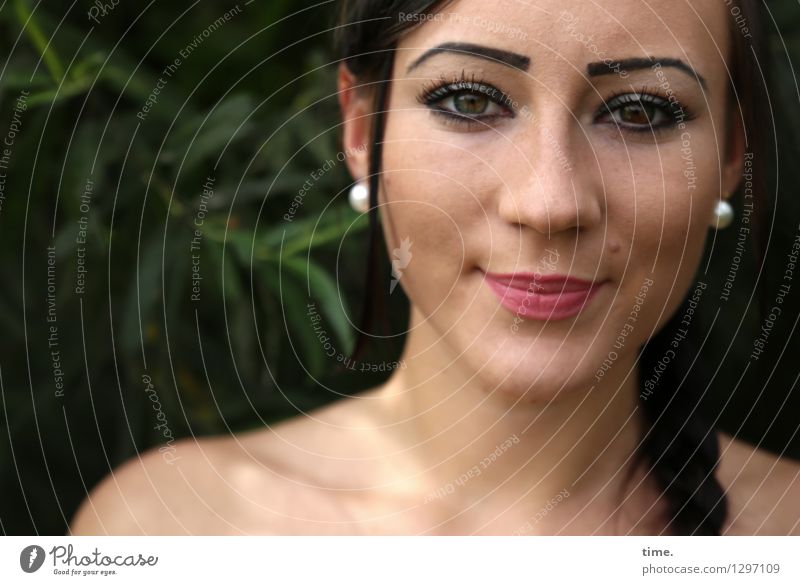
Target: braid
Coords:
[[681, 447]]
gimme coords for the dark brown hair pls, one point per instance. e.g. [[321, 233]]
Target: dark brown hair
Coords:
[[680, 446]]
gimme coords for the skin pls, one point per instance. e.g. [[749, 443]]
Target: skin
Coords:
[[500, 195]]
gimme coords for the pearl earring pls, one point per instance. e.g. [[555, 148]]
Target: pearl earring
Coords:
[[359, 197], [723, 215]]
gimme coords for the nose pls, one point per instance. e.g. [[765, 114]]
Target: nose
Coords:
[[552, 187]]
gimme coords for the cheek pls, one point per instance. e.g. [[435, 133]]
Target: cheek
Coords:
[[436, 193], [660, 206], [660, 199], [451, 170], [425, 239]]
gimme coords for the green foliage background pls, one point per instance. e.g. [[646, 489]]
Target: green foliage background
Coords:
[[253, 105]]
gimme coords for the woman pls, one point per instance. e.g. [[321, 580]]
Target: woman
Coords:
[[546, 179]]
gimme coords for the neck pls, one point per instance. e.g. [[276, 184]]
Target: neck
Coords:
[[481, 451]]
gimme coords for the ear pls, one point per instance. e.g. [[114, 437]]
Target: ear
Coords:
[[356, 106], [733, 165]]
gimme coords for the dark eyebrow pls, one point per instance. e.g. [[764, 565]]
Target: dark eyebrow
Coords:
[[606, 68], [514, 60]]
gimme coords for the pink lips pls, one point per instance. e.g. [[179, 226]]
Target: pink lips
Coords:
[[542, 296]]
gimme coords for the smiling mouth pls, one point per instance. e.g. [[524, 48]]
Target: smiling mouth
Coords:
[[542, 297]]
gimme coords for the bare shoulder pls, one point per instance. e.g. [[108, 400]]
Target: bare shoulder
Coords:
[[264, 481], [207, 486], [763, 489]]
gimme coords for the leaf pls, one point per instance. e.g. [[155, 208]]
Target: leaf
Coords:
[[304, 234], [298, 331], [142, 295], [208, 135], [324, 289], [228, 276]]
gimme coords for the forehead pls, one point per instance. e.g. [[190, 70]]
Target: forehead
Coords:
[[581, 31]]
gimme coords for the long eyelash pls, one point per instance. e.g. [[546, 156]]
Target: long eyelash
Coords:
[[434, 91], [647, 95]]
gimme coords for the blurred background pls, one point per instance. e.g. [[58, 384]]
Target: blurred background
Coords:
[[173, 212]]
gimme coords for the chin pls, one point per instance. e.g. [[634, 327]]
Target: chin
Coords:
[[533, 378], [523, 391]]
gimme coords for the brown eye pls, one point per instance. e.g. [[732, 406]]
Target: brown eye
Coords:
[[638, 114], [639, 111], [470, 104]]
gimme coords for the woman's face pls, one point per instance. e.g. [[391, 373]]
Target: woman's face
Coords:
[[537, 139]]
